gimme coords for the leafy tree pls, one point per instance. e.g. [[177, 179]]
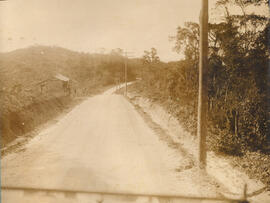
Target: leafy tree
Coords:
[[237, 73], [187, 40], [117, 51], [151, 57]]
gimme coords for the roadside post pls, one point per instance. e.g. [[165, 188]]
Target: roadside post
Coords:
[[202, 96], [126, 61], [126, 73]]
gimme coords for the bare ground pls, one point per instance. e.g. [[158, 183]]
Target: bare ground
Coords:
[[104, 144]]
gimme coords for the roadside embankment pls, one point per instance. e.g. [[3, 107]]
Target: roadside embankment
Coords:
[[22, 121], [18, 122], [219, 167]]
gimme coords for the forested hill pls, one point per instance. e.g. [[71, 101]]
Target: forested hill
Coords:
[[28, 66]]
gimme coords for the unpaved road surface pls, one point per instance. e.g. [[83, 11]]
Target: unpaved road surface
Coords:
[[103, 144]]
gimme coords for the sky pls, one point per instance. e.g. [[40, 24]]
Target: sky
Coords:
[[89, 25]]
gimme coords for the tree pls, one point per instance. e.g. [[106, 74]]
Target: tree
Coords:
[[151, 63], [117, 52], [187, 40], [238, 73], [151, 57]]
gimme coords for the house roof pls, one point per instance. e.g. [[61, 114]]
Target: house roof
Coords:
[[61, 77]]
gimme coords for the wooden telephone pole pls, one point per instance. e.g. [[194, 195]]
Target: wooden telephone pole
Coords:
[[203, 97], [126, 61], [126, 73]]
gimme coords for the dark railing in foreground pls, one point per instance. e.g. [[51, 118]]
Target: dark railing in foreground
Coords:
[[103, 194]]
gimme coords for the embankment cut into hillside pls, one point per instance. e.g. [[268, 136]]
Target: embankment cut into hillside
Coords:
[[17, 123]]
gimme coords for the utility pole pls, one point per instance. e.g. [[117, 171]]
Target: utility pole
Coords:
[[126, 73], [203, 90], [126, 61]]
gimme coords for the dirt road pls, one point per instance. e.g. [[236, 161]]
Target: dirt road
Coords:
[[103, 144]]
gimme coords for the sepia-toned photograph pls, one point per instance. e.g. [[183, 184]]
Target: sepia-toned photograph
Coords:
[[135, 101]]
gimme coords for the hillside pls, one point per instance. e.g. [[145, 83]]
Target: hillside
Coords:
[[38, 82]]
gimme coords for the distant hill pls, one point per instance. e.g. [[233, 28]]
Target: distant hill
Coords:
[[31, 65], [34, 64]]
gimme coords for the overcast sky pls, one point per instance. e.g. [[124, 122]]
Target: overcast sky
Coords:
[[88, 25]]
